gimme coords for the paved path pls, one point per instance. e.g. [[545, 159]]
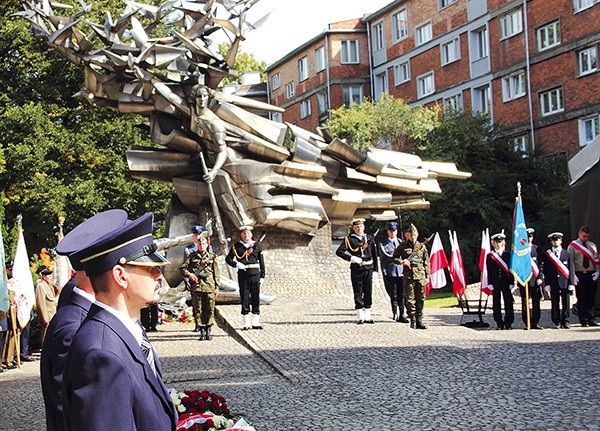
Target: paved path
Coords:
[[313, 368]]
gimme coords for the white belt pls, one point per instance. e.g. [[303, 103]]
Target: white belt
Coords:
[[365, 262]]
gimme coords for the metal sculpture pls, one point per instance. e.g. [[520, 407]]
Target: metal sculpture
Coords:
[[132, 67]]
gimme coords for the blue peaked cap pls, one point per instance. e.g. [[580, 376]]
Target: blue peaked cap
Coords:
[[83, 235]]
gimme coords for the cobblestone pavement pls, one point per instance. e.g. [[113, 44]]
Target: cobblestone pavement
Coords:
[[313, 368]]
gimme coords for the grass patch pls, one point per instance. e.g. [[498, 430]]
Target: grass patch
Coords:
[[442, 298]]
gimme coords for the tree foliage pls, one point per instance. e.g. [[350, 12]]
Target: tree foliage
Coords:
[[244, 62], [387, 122], [58, 155]]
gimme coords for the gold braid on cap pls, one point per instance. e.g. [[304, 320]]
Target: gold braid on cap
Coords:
[[110, 250]]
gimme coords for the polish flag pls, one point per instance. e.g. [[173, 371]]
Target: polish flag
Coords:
[[457, 269], [485, 250], [438, 262]]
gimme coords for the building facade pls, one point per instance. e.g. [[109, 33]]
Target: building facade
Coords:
[[326, 72], [531, 65]]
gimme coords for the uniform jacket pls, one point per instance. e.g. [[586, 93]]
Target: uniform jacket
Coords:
[[539, 261], [248, 256], [58, 339], [108, 383], [205, 267], [418, 256], [497, 277], [363, 247], [45, 300], [578, 256], [553, 277], [389, 267], [64, 297]]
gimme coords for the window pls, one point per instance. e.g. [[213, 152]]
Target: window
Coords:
[[352, 94], [381, 84], [303, 69], [402, 73], [445, 3], [579, 5], [320, 58], [290, 90], [551, 101], [275, 81], [378, 37], [513, 86], [277, 116], [481, 99], [511, 24], [425, 85], [400, 25], [450, 51], [522, 145], [480, 43], [305, 108], [587, 60], [548, 35], [423, 33], [454, 102], [589, 128], [322, 104], [349, 51]]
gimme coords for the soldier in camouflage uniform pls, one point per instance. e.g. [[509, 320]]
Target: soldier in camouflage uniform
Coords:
[[202, 270], [415, 258]]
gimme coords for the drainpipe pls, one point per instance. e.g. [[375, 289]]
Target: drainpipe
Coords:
[[328, 77], [371, 79], [528, 63]]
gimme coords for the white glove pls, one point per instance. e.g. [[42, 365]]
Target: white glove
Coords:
[[571, 288], [539, 281], [261, 281], [513, 288], [547, 289], [355, 259], [491, 286], [374, 275], [596, 275], [241, 266]]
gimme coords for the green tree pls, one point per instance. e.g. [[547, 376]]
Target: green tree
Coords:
[[386, 122], [58, 154], [244, 62]]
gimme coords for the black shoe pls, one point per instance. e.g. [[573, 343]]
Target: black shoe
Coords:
[[536, 327], [420, 324], [403, 319], [593, 323], [412, 323], [27, 359], [508, 327], [202, 333], [500, 327], [197, 328], [207, 335], [556, 326], [360, 322], [584, 324], [566, 325]]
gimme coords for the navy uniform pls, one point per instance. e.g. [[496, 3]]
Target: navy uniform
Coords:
[[534, 284], [559, 278], [501, 281], [202, 269], [73, 310], [415, 258], [113, 378], [247, 257], [587, 271], [392, 272], [360, 250]]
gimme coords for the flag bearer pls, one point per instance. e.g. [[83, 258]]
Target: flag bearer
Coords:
[[535, 285], [501, 281]]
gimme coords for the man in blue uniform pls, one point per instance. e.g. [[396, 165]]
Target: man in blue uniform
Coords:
[[113, 379], [360, 250], [247, 257], [501, 282], [534, 285], [392, 272], [559, 276]]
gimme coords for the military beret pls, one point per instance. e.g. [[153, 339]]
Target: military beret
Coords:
[[85, 233], [411, 228], [130, 244], [43, 270]]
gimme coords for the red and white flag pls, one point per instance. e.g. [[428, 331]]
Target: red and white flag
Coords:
[[22, 282], [438, 262], [485, 250], [457, 269]]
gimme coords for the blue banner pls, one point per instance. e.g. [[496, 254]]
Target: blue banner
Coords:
[[520, 255]]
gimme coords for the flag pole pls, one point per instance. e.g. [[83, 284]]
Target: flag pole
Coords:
[[526, 285]]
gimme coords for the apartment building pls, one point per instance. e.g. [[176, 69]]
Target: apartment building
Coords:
[[326, 72], [530, 64]]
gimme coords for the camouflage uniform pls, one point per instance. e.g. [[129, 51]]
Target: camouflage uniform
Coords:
[[415, 277], [205, 267]]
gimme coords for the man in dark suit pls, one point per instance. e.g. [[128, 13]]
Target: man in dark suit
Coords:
[[534, 285], [559, 276], [501, 281], [113, 378], [392, 272], [75, 305]]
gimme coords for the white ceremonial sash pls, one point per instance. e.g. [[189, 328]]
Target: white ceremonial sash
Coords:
[[534, 268], [558, 264], [500, 262], [583, 250]]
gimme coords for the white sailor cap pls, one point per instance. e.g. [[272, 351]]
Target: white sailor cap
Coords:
[[555, 235], [246, 227], [358, 221], [500, 236]]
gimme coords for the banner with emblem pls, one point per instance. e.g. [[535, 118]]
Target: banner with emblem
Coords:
[[23, 281], [4, 302], [520, 254]]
